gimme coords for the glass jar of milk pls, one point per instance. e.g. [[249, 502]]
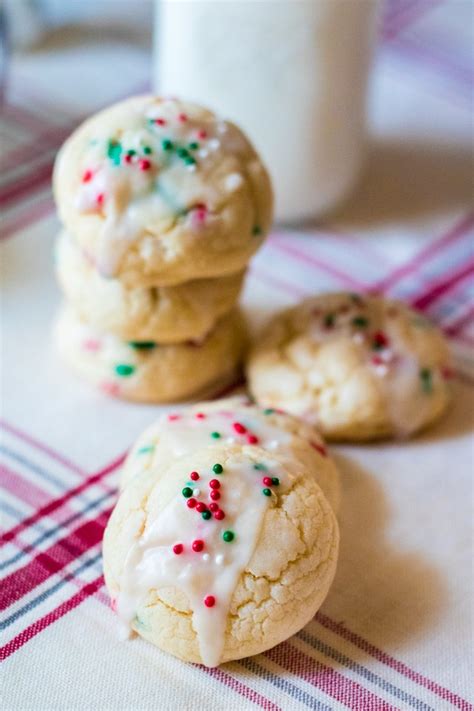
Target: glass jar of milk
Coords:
[[292, 73]]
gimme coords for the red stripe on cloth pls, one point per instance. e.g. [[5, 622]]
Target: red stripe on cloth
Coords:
[[53, 560], [242, 689], [39, 625], [442, 286], [43, 142], [60, 501], [458, 324], [393, 663], [22, 489], [452, 236], [259, 274], [26, 215], [332, 682], [38, 178]]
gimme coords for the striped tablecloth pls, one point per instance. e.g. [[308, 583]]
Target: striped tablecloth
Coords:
[[395, 630]]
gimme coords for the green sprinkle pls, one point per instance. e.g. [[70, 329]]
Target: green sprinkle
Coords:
[[275, 481], [260, 467], [215, 435], [142, 345], [228, 536], [187, 492], [217, 468], [329, 320], [426, 380], [256, 230], [145, 450], [267, 492], [182, 152], [193, 146], [131, 152], [268, 411], [114, 151], [124, 370], [167, 145], [147, 150], [206, 515], [189, 160], [360, 322]]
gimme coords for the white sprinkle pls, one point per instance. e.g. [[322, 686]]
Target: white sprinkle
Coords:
[[222, 127], [381, 370], [196, 492], [233, 181], [219, 559], [213, 144], [358, 338], [230, 440], [273, 444], [206, 557], [203, 153], [191, 167]]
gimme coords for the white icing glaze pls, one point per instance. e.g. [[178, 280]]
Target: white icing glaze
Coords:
[[151, 563]]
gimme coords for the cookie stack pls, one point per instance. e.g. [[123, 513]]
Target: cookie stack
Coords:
[[163, 204]]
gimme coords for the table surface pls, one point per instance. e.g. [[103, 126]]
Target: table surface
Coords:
[[395, 629]]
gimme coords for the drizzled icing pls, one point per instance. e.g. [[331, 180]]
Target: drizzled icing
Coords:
[[203, 558], [157, 171]]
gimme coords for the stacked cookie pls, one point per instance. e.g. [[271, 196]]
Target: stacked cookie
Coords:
[[163, 205]]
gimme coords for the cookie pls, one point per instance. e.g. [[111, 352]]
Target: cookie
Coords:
[[167, 314], [358, 367], [159, 191], [210, 579], [146, 371], [234, 420]]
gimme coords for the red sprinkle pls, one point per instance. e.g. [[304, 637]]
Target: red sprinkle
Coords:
[[87, 176], [178, 548], [100, 198], [128, 158], [182, 118], [219, 514], [209, 601], [197, 545], [214, 494], [194, 476], [252, 439], [377, 360], [172, 418], [202, 134], [380, 339], [200, 415], [215, 484], [239, 428], [214, 507], [267, 480], [319, 448], [191, 503], [200, 506], [144, 164], [160, 122]]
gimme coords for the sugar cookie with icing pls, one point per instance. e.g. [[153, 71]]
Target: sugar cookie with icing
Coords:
[[359, 367], [232, 421], [146, 371], [159, 191], [166, 314], [211, 579]]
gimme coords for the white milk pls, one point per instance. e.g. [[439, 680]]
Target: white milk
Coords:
[[292, 73]]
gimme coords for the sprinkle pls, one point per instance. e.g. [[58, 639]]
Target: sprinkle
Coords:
[[197, 545], [196, 492], [87, 176], [215, 435], [100, 199], [214, 494], [379, 341], [182, 152], [191, 503], [321, 449], [145, 450], [189, 160], [173, 417], [206, 515], [219, 559], [209, 601], [187, 492], [329, 320], [178, 548], [228, 536], [275, 481], [252, 439], [144, 164], [213, 507], [206, 557], [447, 372], [360, 322], [201, 507], [426, 380], [147, 150], [167, 145], [159, 121], [256, 230], [182, 118], [131, 152], [215, 484], [267, 481], [239, 428], [267, 492], [217, 468], [202, 134], [260, 467], [200, 416], [193, 146], [128, 158], [194, 476], [142, 345], [91, 344], [268, 411], [114, 151], [219, 514], [124, 370]]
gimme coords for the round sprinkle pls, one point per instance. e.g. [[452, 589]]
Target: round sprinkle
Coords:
[[87, 176], [214, 507], [202, 134], [252, 439], [215, 484], [329, 320], [239, 428], [194, 476], [267, 492], [124, 370], [215, 495], [167, 145], [196, 492], [173, 417], [144, 164], [193, 146], [201, 506], [260, 467], [219, 514], [182, 118], [191, 503], [275, 481], [209, 601], [159, 121], [147, 150], [267, 481], [178, 548], [380, 341], [200, 416], [217, 468], [268, 411], [228, 536], [197, 545], [360, 322], [100, 199], [215, 435], [187, 492], [206, 515]]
